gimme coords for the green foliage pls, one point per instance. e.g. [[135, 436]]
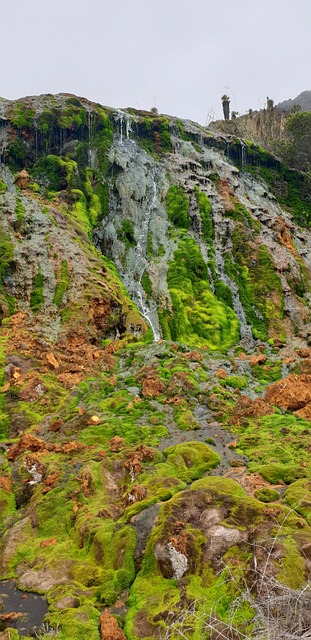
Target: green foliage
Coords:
[[62, 285], [290, 187], [36, 296], [177, 206], [295, 149], [3, 187]]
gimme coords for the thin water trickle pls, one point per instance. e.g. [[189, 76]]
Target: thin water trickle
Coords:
[[141, 263]]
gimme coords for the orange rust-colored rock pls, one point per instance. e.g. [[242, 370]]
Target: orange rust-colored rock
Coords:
[[255, 360], [85, 481], [73, 447], [5, 483], [116, 444], [6, 387], [242, 355], [109, 629], [305, 412], [293, 392], [22, 179], [55, 426], [179, 383], [152, 386], [94, 420], [221, 374], [137, 493], [70, 379], [27, 442], [51, 480], [7, 618], [49, 542], [52, 360], [33, 389], [226, 192], [103, 513], [283, 231], [245, 407], [135, 458], [304, 353]]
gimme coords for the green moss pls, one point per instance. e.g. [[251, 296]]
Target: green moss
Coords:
[[197, 318], [276, 446], [62, 285], [298, 497], [220, 486], [291, 187], [4, 417], [177, 206], [36, 296], [294, 571], [267, 495], [113, 548], [7, 507], [146, 284], [20, 211], [153, 135], [241, 214], [277, 472], [205, 212], [191, 459], [77, 624], [56, 173], [269, 372], [237, 382], [21, 116], [260, 287], [3, 187], [185, 420], [125, 233]]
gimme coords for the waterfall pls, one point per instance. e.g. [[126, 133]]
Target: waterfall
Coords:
[[90, 152], [243, 153], [220, 233], [124, 122], [141, 263]]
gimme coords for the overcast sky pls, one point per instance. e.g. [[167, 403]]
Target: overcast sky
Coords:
[[177, 55]]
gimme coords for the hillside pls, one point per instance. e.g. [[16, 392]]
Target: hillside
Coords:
[[303, 100], [155, 352]]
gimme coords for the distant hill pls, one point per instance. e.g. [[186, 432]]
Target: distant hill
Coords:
[[304, 101]]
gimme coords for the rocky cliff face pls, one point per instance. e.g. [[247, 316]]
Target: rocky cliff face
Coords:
[[155, 331]]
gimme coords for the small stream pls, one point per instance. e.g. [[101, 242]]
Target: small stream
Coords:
[[32, 606], [211, 432]]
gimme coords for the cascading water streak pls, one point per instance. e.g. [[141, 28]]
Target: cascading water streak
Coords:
[[141, 263]]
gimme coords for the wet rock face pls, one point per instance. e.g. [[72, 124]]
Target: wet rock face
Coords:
[[151, 190]]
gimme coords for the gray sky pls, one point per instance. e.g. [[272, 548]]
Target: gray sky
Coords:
[[178, 55]]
